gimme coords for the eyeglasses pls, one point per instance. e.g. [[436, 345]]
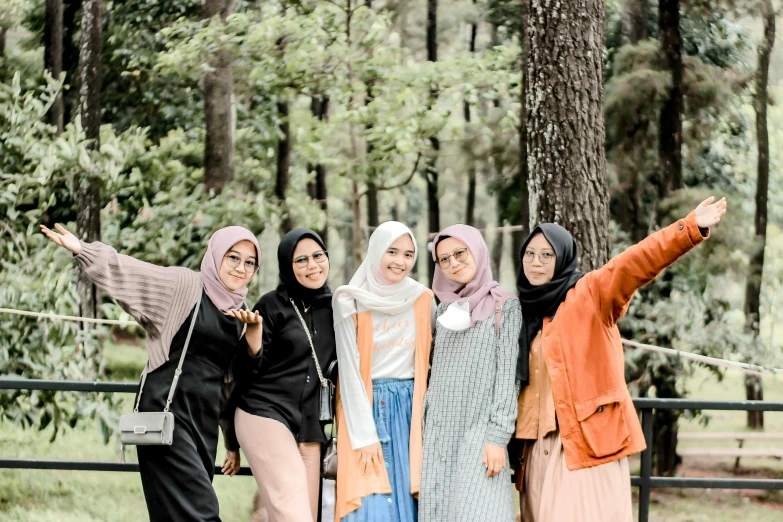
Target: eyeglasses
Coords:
[[319, 256], [461, 254], [544, 257], [233, 261]]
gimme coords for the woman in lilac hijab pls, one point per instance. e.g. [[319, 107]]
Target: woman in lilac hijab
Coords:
[[177, 479], [471, 405]]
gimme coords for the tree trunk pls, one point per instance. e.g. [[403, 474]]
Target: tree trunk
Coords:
[[565, 123], [283, 178], [518, 237], [319, 106], [470, 207], [431, 167], [218, 89], [357, 244], [670, 120], [496, 263], [634, 20], [2, 41], [70, 59], [373, 217], [88, 218], [630, 201], [665, 423], [53, 57], [753, 384]]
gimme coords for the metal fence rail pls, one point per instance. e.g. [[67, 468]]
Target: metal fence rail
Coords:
[[645, 482]]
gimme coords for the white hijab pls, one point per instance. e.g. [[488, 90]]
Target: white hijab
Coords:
[[367, 287]]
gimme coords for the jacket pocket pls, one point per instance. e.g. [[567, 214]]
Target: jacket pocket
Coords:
[[602, 422]]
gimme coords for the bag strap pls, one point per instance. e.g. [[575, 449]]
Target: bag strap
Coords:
[[324, 382], [178, 371]]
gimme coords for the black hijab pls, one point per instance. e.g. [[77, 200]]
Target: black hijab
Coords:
[[289, 286], [542, 301]]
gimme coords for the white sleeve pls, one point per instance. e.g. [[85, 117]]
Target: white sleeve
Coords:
[[356, 405]]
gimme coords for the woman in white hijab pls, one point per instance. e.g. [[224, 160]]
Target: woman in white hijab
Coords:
[[383, 339]]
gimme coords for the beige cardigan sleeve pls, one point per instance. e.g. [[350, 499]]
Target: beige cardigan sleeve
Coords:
[[159, 298]]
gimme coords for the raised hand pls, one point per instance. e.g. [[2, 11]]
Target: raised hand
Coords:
[[709, 213], [255, 328], [65, 239], [246, 316]]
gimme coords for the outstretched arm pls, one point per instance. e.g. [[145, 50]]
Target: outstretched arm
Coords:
[[144, 290], [613, 285]]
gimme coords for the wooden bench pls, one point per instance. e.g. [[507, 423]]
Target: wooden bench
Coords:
[[738, 452]]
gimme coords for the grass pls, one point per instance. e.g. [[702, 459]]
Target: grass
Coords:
[[82, 496]]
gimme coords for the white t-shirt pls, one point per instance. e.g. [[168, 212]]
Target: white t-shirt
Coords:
[[394, 344], [393, 357]]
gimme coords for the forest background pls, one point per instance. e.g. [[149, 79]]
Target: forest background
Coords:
[[148, 124]]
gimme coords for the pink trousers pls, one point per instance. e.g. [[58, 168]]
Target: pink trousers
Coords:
[[287, 472]]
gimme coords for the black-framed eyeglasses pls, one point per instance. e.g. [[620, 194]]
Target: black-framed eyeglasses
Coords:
[[233, 261], [544, 257], [319, 256], [461, 254]]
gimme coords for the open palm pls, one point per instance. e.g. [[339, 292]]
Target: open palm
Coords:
[[709, 213], [63, 238]]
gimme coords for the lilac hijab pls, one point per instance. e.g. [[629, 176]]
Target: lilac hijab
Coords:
[[220, 243], [483, 291]]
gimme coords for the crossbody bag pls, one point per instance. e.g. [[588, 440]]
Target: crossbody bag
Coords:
[[154, 428]]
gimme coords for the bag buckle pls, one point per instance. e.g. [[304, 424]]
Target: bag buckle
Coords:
[[139, 430]]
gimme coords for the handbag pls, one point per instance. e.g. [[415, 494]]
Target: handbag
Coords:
[[329, 463], [154, 428], [326, 412]]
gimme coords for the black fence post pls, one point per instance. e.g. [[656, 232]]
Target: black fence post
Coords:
[[646, 471]]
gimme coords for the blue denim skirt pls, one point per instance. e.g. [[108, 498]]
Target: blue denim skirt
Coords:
[[392, 408]]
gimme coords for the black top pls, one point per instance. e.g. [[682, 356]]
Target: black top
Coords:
[[215, 343], [286, 387]]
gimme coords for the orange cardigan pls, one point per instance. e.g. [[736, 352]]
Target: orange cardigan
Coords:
[[584, 355], [352, 486]]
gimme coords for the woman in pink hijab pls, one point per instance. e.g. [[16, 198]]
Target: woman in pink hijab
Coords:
[[471, 406], [177, 479]]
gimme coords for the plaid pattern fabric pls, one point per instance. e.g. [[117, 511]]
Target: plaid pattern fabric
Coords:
[[472, 400]]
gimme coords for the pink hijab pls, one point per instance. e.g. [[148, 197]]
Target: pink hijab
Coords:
[[483, 291], [220, 243]]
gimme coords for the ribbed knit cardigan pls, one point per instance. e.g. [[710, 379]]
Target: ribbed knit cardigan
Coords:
[[159, 298]]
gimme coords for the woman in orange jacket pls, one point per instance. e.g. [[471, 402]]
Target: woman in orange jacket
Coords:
[[576, 415]]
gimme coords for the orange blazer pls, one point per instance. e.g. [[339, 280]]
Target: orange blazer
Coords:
[[584, 354]]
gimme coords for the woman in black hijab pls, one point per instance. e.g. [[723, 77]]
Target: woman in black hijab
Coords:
[[575, 413], [277, 418]]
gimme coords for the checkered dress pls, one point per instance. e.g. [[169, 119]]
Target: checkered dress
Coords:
[[472, 400]]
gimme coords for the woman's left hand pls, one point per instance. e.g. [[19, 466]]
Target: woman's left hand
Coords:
[[709, 213], [231, 463], [494, 459]]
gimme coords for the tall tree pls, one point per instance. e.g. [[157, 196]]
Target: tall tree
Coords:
[[470, 204], [319, 106], [431, 167], [753, 387], [634, 20], [670, 120], [518, 236], [565, 123], [218, 89], [283, 176], [88, 218], [3, 32], [53, 57], [70, 58]]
